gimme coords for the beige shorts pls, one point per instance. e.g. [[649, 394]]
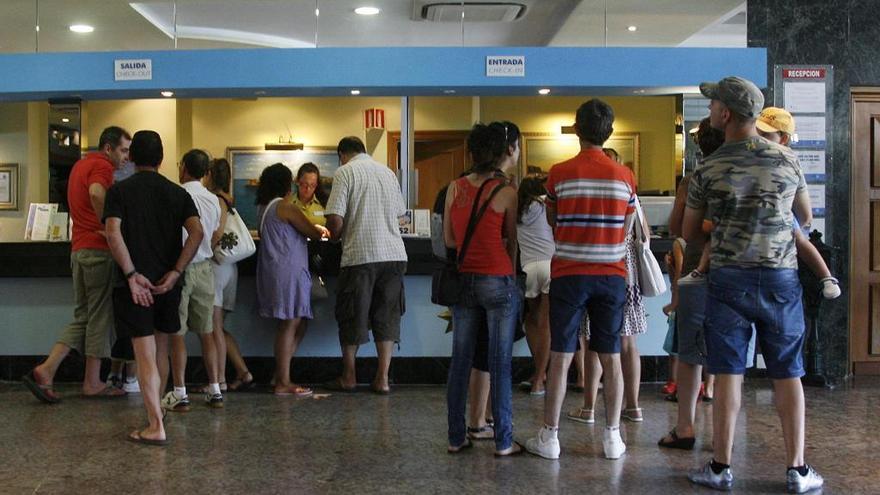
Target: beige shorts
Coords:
[[225, 285], [93, 272], [197, 299], [537, 278]]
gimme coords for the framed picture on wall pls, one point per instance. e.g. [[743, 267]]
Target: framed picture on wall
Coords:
[[543, 150], [247, 163], [8, 186]]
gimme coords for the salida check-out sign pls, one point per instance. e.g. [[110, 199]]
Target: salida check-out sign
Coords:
[[133, 70]]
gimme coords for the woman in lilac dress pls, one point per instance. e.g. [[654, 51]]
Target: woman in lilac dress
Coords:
[[283, 281]]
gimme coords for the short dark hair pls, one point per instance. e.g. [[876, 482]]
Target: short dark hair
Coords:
[[196, 163], [311, 168], [146, 149], [221, 174], [113, 136], [275, 182], [594, 121], [486, 144], [708, 138], [350, 144], [511, 131]]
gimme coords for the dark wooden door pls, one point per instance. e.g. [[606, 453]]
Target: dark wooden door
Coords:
[[865, 232]]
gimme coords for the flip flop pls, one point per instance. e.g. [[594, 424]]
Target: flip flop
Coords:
[[677, 442], [336, 386], [461, 448], [43, 392], [105, 393], [240, 385], [521, 451], [297, 391], [137, 438], [380, 391]]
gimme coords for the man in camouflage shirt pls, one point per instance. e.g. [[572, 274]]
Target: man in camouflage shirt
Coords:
[[748, 187]]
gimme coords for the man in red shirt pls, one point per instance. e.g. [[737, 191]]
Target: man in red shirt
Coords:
[[92, 269], [590, 204]]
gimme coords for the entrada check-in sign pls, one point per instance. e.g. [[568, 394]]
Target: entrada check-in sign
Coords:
[[505, 66], [133, 70]]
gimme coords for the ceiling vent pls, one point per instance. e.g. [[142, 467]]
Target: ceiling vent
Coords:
[[473, 11]]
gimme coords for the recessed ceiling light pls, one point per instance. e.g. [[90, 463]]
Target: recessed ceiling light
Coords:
[[544, 91], [81, 28], [632, 29], [449, 91], [259, 93], [355, 92], [167, 94], [65, 120], [367, 10]]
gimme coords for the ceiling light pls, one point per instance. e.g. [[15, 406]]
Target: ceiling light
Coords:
[[81, 28], [65, 120], [167, 94], [544, 91], [632, 29], [449, 91], [355, 92], [367, 10]]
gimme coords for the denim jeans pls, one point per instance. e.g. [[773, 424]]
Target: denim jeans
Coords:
[[769, 299], [493, 301]]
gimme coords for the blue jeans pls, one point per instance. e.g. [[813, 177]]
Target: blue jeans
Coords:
[[493, 301], [768, 298]]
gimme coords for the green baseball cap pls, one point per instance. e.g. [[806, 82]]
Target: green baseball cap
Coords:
[[740, 95]]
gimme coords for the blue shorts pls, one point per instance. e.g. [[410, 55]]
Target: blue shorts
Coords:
[[766, 297], [601, 296]]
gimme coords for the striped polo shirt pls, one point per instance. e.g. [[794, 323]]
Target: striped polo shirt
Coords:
[[595, 201]]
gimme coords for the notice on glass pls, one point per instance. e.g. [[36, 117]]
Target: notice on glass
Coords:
[[804, 97], [5, 189], [817, 199], [812, 163], [810, 131]]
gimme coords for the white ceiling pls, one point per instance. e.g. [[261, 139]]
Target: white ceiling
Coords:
[[150, 24]]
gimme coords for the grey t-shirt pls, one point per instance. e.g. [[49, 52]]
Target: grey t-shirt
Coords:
[[366, 194], [747, 189], [534, 234]]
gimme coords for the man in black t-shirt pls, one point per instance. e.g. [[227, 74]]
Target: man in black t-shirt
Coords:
[[145, 216]]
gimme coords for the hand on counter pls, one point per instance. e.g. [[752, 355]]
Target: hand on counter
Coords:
[[325, 233]]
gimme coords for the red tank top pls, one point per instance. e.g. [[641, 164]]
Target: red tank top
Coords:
[[486, 253]]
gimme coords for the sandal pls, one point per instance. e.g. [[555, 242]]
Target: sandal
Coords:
[[581, 415], [43, 392], [481, 433], [108, 392], [295, 390], [677, 442], [672, 397], [634, 415], [240, 384], [136, 437], [457, 450], [515, 449], [337, 386]]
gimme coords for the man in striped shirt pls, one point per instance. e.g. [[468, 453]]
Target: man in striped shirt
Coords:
[[591, 204]]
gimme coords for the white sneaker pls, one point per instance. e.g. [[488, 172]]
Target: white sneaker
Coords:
[[795, 483], [131, 387], [693, 277], [174, 403], [546, 448], [830, 288], [613, 444]]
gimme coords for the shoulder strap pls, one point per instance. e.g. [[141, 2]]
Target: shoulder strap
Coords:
[[476, 216], [263, 218]]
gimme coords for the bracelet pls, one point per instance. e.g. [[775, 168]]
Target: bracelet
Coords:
[[130, 274], [180, 273]]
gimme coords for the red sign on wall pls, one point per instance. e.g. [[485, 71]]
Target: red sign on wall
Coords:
[[803, 73], [374, 118]]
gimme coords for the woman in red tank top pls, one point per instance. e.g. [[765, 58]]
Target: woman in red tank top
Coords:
[[490, 294]]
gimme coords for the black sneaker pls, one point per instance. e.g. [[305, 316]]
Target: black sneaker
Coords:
[[114, 381], [214, 400]]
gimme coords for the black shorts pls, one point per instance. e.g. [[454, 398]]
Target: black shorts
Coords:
[[370, 296], [133, 320]]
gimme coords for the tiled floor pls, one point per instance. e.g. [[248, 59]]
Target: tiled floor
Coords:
[[363, 443]]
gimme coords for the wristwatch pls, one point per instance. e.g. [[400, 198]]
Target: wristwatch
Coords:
[[131, 274]]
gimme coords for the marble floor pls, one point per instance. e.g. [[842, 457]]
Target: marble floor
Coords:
[[364, 443]]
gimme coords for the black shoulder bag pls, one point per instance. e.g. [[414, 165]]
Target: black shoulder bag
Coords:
[[446, 284]]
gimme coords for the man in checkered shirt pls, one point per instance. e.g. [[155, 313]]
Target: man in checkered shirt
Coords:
[[363, 209]]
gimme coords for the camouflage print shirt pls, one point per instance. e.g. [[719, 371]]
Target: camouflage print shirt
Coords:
[[747, 189]]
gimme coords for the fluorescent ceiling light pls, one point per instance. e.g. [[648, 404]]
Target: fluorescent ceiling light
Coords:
[[81, 28], [544, 91], [355, 92], [167, 94], [367, 10], [632, 29]]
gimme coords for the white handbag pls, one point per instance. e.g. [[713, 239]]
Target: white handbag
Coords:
[[651, 280], [236, 242]]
